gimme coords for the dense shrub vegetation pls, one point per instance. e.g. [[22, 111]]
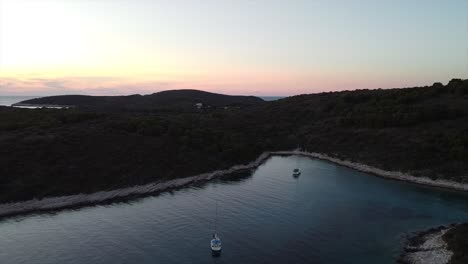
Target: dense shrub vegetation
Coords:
[[49, 152], [457, 240]]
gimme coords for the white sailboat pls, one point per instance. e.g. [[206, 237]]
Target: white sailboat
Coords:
[[216, 241]]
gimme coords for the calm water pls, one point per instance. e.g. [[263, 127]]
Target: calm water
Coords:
[[9, 100], [330, 214]]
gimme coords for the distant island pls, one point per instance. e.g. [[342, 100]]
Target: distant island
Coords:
[[180, 99]]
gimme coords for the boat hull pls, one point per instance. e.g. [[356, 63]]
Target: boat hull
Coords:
[[216, 252], [216, 245]]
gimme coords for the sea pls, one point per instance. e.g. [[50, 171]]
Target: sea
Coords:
[[329, 214], [9, 100]]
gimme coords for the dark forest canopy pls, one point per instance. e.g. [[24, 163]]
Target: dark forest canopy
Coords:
[[50, 152]]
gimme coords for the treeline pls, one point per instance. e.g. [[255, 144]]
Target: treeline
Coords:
[[422, 130], [457, 243], [49, 152]]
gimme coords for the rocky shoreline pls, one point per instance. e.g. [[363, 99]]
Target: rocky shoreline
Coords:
[[427, 247], [54, 203], [395, 175]]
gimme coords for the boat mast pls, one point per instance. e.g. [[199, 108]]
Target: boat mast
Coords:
[[216, 219]]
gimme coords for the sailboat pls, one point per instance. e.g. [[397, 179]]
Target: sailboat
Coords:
[[296, 172], [216, 241]]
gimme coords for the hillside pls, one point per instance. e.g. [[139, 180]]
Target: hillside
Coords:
[[164, 99], [50, 152], [422, 130]]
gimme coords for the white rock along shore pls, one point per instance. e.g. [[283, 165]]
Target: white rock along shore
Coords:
[[433, 250], [396, 175], [53, 203]]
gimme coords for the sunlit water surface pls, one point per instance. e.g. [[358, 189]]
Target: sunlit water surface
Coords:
[[330, 214]]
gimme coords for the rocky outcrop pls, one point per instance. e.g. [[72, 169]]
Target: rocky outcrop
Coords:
[[427, 247]]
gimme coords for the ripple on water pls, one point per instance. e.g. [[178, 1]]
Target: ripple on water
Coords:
[[330, 214]]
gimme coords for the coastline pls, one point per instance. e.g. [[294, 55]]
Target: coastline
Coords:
[[34, 106], [63, 202], [394, 175], [428, 247]]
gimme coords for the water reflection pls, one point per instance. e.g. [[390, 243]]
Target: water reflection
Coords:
[[231, 179], [330, 214]]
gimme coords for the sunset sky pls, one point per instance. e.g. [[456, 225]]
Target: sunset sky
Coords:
[[254, 47]]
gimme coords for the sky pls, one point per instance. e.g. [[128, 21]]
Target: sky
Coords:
[[251, 47]]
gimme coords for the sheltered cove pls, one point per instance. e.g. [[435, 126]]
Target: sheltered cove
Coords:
[[422, 254], [62, 202]]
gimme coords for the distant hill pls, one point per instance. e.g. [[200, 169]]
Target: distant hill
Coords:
[[164, 99], [422, 130]]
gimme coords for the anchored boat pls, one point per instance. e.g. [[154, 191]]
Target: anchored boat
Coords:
[[296, 172], [216, 245], [216, 241]]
